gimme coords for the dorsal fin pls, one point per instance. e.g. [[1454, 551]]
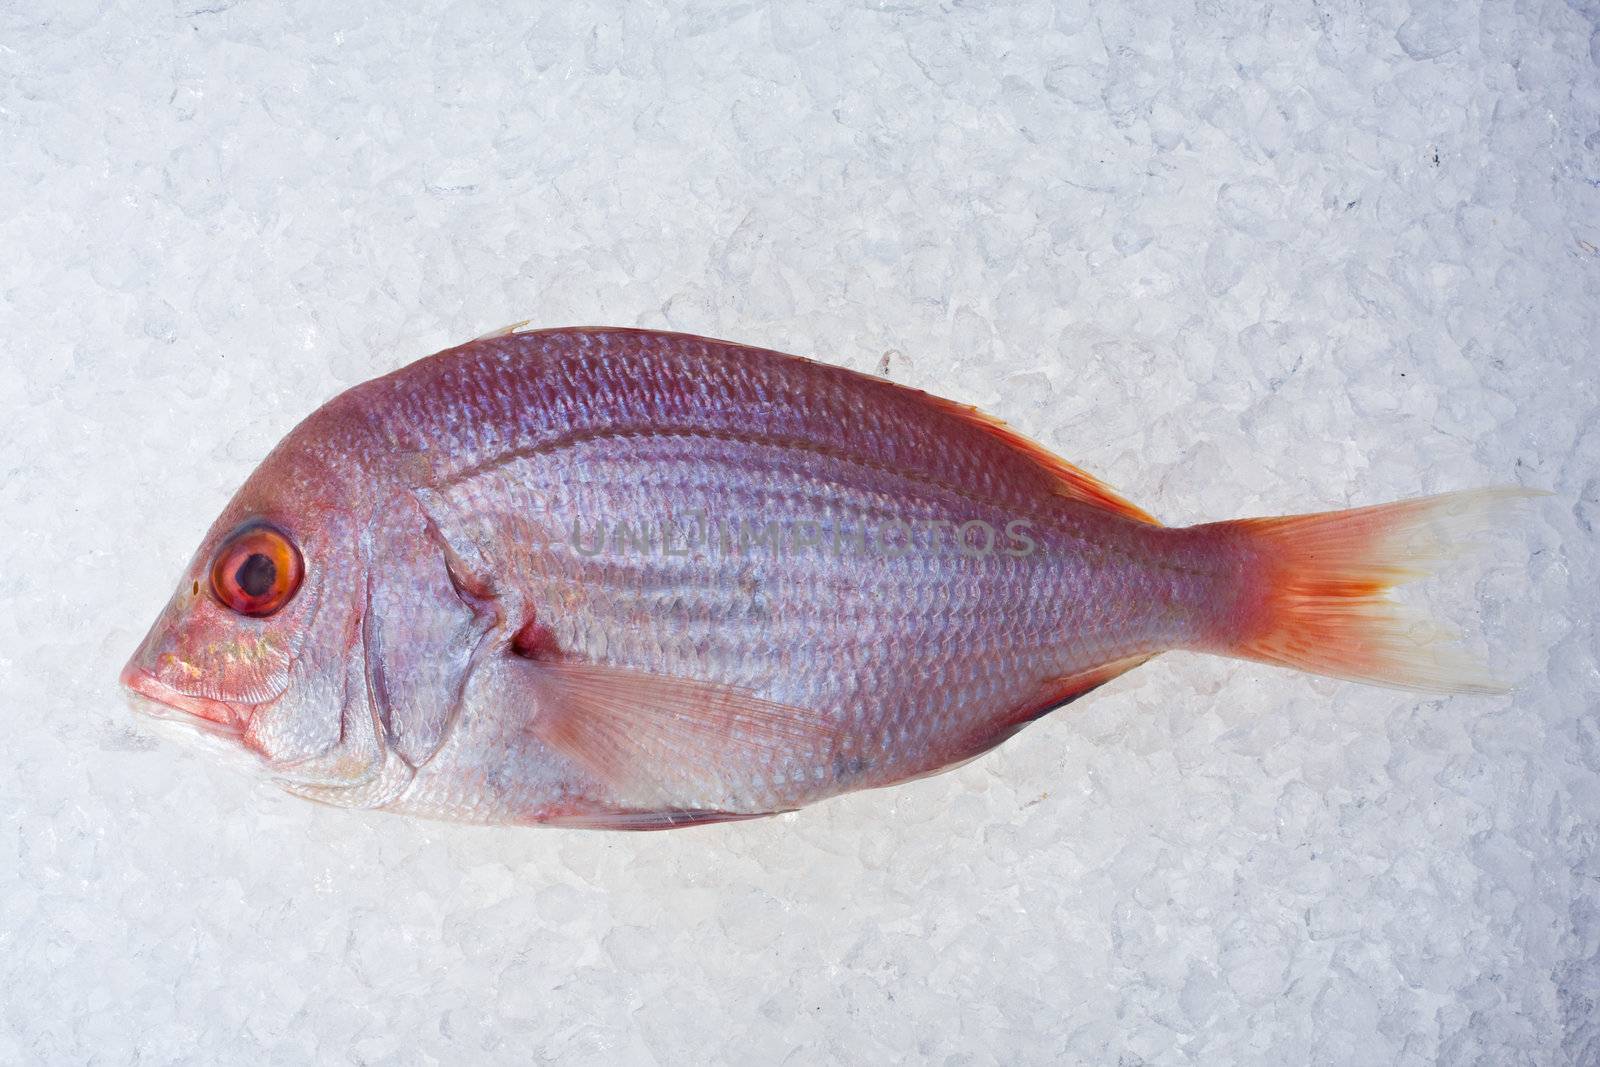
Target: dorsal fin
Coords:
[[504, 331], [1071, 482]]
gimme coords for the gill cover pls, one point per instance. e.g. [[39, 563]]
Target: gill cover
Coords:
[[422, 630]]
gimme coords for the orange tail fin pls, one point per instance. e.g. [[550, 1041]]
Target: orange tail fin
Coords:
[[1322, 603]]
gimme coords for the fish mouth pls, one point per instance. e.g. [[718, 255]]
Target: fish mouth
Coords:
[[153, 697]]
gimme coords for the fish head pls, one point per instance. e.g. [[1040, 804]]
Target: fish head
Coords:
[[258, 652]]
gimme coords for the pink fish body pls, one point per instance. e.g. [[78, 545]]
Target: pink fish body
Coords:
[[629, 579]]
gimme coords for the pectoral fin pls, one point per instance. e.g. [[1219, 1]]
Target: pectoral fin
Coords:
[[671, 744]]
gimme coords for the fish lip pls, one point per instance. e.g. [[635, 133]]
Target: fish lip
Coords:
[[158, 700]]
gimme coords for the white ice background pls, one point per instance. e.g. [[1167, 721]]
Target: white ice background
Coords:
[[1234, 256]]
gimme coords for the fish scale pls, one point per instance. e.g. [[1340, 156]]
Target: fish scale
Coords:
[[948, 617]]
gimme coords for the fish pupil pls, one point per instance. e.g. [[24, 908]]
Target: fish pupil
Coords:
[[256, 574]]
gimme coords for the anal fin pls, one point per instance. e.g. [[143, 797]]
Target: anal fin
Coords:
[[1058, 692], [1051, 695]]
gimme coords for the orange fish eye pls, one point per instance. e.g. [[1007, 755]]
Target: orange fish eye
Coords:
[[256, 571]]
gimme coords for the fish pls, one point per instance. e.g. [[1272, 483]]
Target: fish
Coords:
[[628, 579]]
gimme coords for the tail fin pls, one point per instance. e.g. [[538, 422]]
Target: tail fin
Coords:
[[1322, 605]]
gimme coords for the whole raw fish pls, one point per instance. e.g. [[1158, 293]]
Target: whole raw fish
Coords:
[[627, 579]]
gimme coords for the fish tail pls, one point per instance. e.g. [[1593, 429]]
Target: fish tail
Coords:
[[1313, 590]]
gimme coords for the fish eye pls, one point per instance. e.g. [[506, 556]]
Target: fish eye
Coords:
[[256, 571]]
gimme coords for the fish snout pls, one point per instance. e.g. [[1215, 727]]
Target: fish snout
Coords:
[[152, 696]]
